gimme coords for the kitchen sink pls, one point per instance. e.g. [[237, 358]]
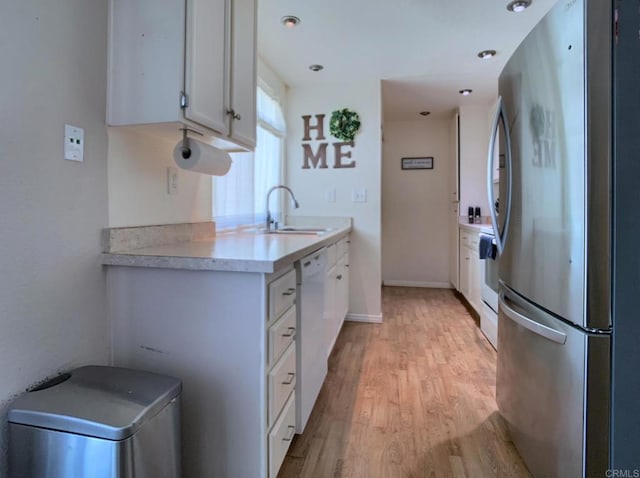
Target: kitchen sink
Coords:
[[295, 230], [302, 229], [298, 230]]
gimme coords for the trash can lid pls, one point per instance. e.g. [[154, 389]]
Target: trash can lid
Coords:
[[102, 402]]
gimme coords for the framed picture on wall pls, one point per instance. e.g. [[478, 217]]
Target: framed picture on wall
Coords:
[[417, 163]]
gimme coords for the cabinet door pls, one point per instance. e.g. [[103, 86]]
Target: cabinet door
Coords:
[[243, 72], [454, 173], [475, 273], [206, 63], [343, 290], [464, 265], [474, 283], [454, 255], [330, 307]]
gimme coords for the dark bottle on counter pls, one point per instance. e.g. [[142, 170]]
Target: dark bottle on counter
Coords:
[[477, 216], [470, 214]]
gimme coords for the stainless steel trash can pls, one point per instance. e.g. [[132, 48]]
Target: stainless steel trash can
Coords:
[[97, 422]]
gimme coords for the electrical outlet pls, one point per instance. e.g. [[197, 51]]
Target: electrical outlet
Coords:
[[73, 143], [331, 195], [172, 180], [359, 195]]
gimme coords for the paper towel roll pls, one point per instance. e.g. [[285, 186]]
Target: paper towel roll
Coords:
[[201, 158]]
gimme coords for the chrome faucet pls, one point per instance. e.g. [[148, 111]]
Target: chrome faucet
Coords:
[[294, 203]]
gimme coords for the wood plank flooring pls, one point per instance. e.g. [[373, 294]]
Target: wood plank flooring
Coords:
[[412, 397]]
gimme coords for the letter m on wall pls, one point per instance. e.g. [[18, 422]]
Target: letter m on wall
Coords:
[[320, 157]]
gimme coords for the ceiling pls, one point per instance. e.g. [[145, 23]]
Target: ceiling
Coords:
[[425, 50]]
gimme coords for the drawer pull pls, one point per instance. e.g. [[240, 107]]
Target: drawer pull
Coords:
[[307, 264], [291, 377], [289, 292], [292, 431], [346, 265], [292, 331], [339, 277]]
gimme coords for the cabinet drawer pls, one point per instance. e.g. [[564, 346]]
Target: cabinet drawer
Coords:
[[282, 380], [281, 334], [281, 436], [342, 247], [282, 294]]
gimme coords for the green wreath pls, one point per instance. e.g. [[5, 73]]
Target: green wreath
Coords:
[[344, 124]]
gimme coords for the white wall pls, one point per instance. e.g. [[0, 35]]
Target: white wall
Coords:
[[415, 234], [311, 185], [52, 287], [474, 144], [138, 194]]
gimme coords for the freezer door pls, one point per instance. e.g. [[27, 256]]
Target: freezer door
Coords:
[[543, 90], [552, 388]]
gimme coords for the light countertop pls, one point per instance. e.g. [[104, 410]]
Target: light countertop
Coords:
[[485, 226], [238, 250]]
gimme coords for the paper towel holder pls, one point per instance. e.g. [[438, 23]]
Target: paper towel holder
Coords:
[[186, 150]]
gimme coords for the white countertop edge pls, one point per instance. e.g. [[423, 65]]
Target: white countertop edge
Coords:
[[488, 228], [134, 259]]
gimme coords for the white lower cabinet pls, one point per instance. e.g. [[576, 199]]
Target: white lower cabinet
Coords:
[[281, 435], [470, 280], [231, 338], [337, 290], [282, 381]]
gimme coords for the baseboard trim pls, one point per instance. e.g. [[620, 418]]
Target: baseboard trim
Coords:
[[370, 319], [408, 283]]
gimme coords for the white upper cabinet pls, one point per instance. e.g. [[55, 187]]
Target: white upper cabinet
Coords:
[[207, 65], [243, 71], [177, 63]]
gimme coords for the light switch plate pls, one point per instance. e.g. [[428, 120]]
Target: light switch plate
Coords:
[[331, 195], [73, 143], [359, 195]]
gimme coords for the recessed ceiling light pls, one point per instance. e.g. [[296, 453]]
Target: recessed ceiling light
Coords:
[[486, 54], [290, 21], [465, 92], [425, 113], [518, 5], [316, 67]]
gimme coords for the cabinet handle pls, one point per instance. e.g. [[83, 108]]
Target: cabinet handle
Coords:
[[233, 114], [346, 265], [292, 330], [291, 377], [307, 264], [291, 433], [339, 277], [289, 292]]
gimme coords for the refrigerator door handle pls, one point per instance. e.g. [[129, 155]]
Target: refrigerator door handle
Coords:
[[535, 327], [501, 114]]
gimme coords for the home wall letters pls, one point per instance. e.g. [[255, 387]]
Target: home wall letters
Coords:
[[318, 160]]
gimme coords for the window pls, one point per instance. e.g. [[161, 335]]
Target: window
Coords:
[[239, 196]]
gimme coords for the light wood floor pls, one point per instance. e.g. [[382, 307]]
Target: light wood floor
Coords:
[[412, 397]]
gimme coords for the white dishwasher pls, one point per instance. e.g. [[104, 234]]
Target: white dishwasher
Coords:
[[310, 332]]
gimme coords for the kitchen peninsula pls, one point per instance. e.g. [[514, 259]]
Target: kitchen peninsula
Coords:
[[221, 312]]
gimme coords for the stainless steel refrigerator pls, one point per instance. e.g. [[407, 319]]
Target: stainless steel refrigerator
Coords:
[[553, 134]]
